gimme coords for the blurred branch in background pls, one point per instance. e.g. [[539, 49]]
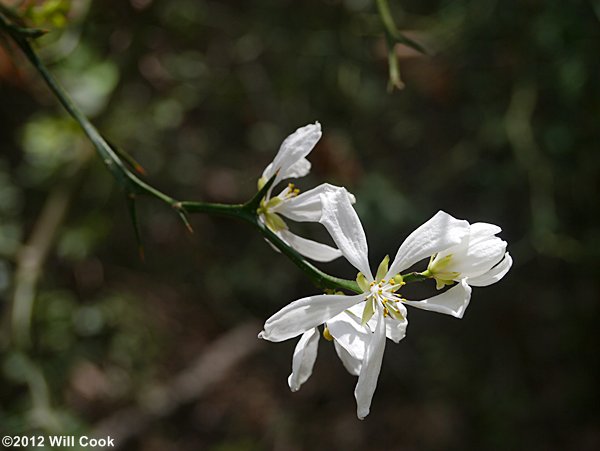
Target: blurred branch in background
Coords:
[[394, 36], [29, 267], [542, 188], [31, 258], [212, 366]]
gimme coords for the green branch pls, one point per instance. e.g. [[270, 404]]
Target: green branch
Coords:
[[134, 186], [392, 31], [394, 36], [414, 277]]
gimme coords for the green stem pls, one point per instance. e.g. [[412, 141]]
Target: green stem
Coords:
[[393, 36], [109, 157], [133, 185], [392, 31], [319, 278], [245, 213], [415, 277], [230, 210]]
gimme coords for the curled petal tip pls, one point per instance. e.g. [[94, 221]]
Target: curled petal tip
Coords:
[[261, 335]]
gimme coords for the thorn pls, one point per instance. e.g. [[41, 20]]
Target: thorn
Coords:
[[33, 33], [139, 169], [186, 222], [136, 227]]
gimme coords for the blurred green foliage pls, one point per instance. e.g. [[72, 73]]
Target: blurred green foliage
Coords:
[[500, 125]]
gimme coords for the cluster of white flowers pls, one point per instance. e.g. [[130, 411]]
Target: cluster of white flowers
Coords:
[[460, 254]]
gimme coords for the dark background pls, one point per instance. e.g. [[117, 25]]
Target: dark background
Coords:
[[500, 125]]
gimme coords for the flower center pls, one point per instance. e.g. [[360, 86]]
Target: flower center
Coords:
[[384, 292], [440, 268], [381, 291], [272, 220]]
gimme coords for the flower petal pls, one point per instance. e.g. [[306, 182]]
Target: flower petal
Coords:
[[494, 274], [288, 161], [369, 373], [304, 358], [435, 235], [349, 334], [304, 314], [352, 364], [395, 329], [452, 302], [311, 249], [299, 169], [343, 224], [306, 207], [483, 229], [478, 257]]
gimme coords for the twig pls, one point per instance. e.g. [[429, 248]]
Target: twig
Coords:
[[135, 186], [392, 37]]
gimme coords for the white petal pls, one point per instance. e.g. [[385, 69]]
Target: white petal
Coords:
[[494, 274], [352, 365], [311, 249], [292, 151], [451, 302], [436, 235], [484, 229], [304, 358], [395, 329], [349, 334], [479, 256], [304, 314], [306, 207], [369, 373], [343, 224], [299, 169]]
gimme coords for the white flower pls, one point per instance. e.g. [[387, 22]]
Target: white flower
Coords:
[[360, 323], [480, 259], [291, 162]]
